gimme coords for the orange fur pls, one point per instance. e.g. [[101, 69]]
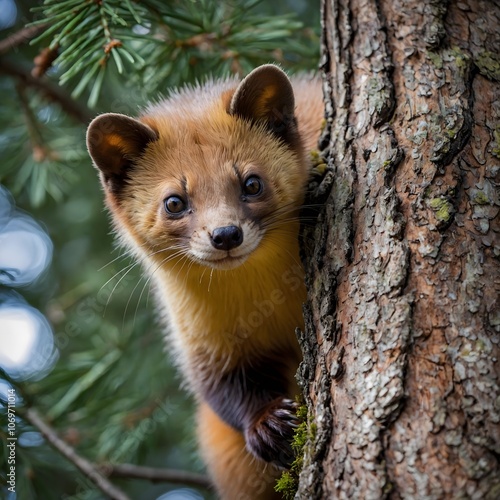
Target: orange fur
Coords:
[[224, 309], [238, 474]]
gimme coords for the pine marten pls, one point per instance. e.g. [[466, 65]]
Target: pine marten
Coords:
[[205, 188]]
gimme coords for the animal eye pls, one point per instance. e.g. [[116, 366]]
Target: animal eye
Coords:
[[252, 186], [174, 205]]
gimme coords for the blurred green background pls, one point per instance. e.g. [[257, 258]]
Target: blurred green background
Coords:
[[94, 364]]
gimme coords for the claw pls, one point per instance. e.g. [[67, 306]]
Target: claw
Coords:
[[270, 436]]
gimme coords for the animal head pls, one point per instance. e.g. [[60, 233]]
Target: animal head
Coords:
[[209, 174]]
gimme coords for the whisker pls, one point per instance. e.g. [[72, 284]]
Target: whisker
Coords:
[[182, 267], [132, 264], [210, 280], [184, 255], [114, 288], [128, 253], [166, 259], [202, 275], [128, 269]]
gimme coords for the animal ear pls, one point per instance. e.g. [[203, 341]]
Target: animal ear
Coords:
[[114, 142], [266, 95]]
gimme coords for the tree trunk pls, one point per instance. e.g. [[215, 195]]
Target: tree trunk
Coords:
[[401, 345]]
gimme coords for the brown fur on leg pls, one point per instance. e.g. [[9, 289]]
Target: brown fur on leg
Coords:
[[235, 471]]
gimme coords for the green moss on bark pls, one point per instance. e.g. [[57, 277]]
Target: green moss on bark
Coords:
[[288, 483]]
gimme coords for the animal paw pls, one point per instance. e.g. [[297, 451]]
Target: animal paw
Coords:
[[269, 437]]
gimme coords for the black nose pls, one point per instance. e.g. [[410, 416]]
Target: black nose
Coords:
[[226, 238]]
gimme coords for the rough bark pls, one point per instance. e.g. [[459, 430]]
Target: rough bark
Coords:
[[401, 345]]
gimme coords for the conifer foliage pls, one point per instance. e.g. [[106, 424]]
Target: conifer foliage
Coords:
[[108, 390], [94, 49]]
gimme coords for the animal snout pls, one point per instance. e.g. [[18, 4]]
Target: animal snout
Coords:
[[226, 238]]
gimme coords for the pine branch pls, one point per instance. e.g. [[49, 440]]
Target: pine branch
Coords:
[[47, 89], [156, 475], [40, 151], [86, 467], [164, 42], [20, 37], [98, 474]]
